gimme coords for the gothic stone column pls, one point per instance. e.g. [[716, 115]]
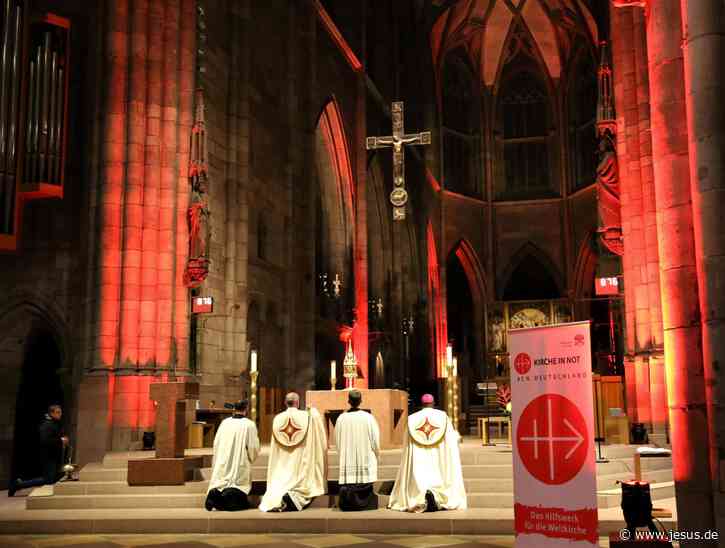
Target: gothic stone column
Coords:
[[681, 315], [138, 301], [631, 98], [704, 50]]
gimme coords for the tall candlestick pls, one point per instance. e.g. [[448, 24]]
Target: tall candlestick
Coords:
[[333, 374], [253, 367], [253, 373], [449, 355], [454, 381]]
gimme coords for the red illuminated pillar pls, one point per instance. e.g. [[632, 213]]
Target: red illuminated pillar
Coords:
[[113, 156], [141, 317], [360, 334], [680, 305], [652, 401], [186, 69], [704, 52], [152, 187], [134, 186], [633, 150]]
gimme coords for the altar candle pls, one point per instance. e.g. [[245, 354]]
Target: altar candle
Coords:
[[455, 367], [253, 368], [333, 369], [449, 355]]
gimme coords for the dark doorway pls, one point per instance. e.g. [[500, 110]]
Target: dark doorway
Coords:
[[40, 386], [461, 325]]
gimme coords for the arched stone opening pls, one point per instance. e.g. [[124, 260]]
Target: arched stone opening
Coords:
[[334, 241], [34, 373]]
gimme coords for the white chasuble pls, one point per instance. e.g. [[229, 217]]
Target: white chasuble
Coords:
[[431, 461], [357, 437], [297, 464], [236, 446]]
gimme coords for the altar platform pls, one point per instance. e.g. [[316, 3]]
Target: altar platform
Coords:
[[102, 501], [389, 407]]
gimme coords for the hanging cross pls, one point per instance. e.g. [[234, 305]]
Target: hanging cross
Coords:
[[399, 196]]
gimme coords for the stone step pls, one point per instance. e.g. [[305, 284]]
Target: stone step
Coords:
[[612, 498], [387, 458], [609, 481], [74, 488], [625, 468], [165, 499], [476, 521], [479, 485], [470, 445]]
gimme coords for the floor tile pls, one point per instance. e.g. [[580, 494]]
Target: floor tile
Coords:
[[329, 541], [175, 544], [69, 540], [232, 541], [427, 541]]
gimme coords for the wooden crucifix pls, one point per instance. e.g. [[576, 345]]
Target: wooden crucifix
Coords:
[[399, 196]]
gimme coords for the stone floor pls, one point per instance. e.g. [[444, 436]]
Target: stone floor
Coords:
[[266, 541]]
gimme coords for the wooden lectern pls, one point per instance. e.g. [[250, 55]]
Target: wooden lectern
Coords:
[[169, 467]]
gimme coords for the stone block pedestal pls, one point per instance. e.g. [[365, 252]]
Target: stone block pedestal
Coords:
[[169, 467]]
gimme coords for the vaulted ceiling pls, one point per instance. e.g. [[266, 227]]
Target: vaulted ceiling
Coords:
[[488, 31]]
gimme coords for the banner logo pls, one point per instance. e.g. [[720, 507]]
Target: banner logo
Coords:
[[552, 439], [522, 363]]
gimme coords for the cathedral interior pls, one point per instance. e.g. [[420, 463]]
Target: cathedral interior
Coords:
[[185, 182]]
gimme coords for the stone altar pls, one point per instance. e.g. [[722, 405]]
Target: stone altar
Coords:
[[389, 407]]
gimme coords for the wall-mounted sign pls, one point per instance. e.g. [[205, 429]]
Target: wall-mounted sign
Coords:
[[606, 286], [202, 305]]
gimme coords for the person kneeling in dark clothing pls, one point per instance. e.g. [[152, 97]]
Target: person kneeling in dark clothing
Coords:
[[52, 444]]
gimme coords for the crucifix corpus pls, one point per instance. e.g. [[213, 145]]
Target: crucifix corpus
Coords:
[[399, 196]]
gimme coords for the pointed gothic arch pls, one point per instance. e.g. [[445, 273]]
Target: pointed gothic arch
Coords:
[[542, 271], [473, 269], [437, 307], [465, 307], [37, 370], [336, 196]]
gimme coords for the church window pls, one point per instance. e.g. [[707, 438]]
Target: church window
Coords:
[[582, 102], [524, 114], [461, 122]]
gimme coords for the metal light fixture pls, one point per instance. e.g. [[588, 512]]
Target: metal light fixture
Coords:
[[376, 307], [408, 324]]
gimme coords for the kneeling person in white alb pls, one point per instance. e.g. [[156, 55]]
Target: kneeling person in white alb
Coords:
[[357, 436], [236, 446], [296, 472], [430, 476]]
